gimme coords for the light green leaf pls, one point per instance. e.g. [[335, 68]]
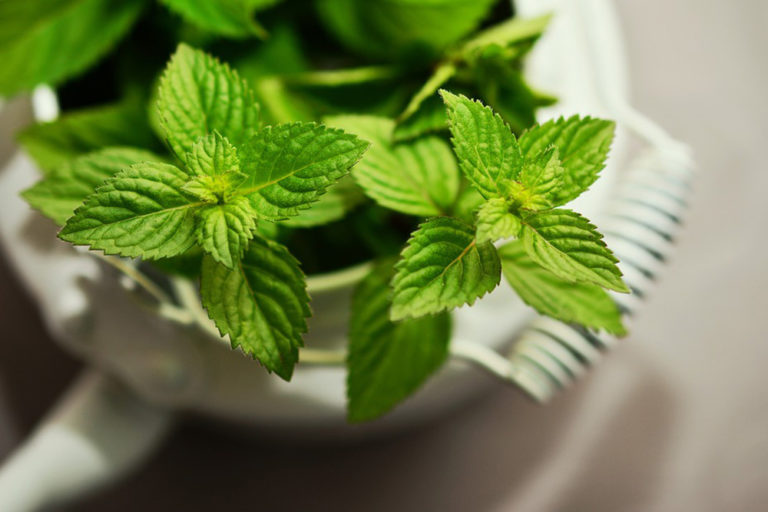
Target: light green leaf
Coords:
[[48, 41], [341, 197], [487, 150], [541, 177], [223, 230], [59, 193], [199, 94], [214, 189], [262, 304], [443, 267], [417, 178], [495, 221], [388, 361], [228, 18], [583, 145], [289, 166], [141, 211], [83, 131], [215, 166], [565, 243], [581, 303], [212, 155]]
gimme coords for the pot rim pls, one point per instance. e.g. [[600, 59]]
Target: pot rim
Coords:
[[336, 279]]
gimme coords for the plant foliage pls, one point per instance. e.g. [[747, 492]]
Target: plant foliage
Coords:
[[401, 131]]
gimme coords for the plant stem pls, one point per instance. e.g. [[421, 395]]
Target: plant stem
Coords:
[[335, 77], [136, 276]]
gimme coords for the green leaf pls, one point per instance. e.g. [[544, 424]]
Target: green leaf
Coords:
[[289, 166], [388, 360], [214, 163], [197, 95], [228, 18], [280, 54], [83, 131], [214, 189], [141, 211], [341, 197], [395, 29], [581, 303], [583, 145], [223, 230], [443, 267], [541, 178], [417, 178], [48, 41], [513, 31], [488, 152], [66, 187], [495, 221], [212, 155], [262, 304], [565, 243]]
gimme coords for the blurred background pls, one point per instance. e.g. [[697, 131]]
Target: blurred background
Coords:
[[676, 418]]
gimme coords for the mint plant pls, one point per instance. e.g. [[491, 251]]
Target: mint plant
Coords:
[[251, 286], [246, 176]]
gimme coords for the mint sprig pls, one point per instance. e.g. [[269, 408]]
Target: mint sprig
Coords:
[[235, 176], [448, 263]]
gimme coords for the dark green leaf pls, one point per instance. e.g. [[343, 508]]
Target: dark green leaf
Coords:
[[262, 304], [388, 360], [48, 41]]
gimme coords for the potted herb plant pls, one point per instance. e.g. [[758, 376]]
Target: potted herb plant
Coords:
[[301, 162], [377, 162]]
